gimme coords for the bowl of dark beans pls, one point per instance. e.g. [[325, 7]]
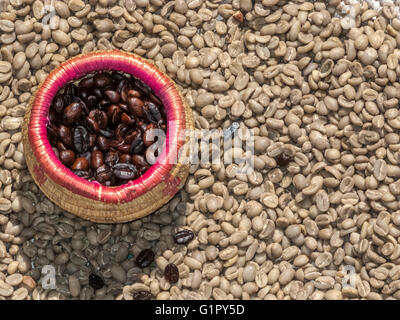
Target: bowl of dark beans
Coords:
[[103, 137]]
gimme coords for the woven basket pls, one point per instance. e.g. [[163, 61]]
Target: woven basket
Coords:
[[92, 201]]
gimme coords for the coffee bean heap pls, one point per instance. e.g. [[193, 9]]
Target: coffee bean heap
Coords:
[[103, 127]]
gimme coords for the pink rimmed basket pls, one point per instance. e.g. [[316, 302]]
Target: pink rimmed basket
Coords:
[[93, 201]]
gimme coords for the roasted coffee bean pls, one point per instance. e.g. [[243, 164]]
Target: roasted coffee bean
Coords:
[[102, 79], [127, 119], [96, 159], [103, 173], [104, 128], [111, 157], [183, 236], [137, 146], [67, 157], [81, 164], [114, 113], [283, 159], [92, 125], [124, 171], [152, 113], [123, 91], [95, 281], [141, 295], [135, 106], [66, 135], [139, 161], [124, 148], [72, 113], [112, 95], [125, 158], [87, 82], [145, 258], [171, 273], [103, 143], [100, 117], [81, 139]]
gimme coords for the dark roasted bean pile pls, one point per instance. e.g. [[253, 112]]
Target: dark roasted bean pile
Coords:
[[104, 127]]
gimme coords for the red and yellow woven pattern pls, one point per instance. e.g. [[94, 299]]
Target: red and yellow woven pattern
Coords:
[[92, 201]]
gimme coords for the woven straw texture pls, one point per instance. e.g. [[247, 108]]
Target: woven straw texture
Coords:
[[93, 201]]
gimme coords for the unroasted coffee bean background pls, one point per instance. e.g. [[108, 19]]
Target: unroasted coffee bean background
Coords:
[[317, 81]]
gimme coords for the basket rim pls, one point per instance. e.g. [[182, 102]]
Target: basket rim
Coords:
[[77, 67]]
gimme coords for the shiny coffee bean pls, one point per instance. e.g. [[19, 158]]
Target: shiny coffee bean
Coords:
[[171, 273], [124, 171], [139, 161], [124, 148], [92, 125], [114, 113], [103, 143], [66, 136], [67, 157], [81, 164], [100, 117], [183, 236], [125, 158], [72, 113], [112, 95], [144, 258], [96, 159], [135, 106]]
